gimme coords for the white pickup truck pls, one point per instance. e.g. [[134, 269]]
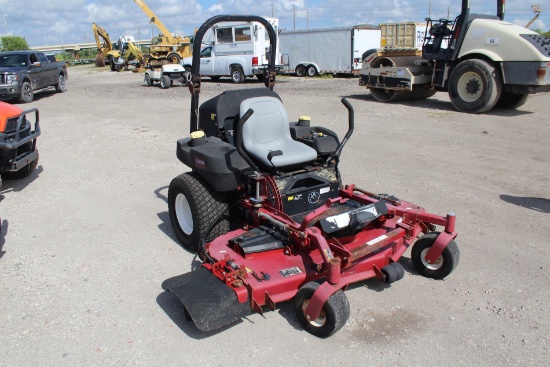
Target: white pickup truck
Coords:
[[239, 51]]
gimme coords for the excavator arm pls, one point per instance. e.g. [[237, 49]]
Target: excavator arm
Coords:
[[133, 50], [101, 34]]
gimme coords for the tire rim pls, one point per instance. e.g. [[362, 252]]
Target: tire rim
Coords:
[[27, 92], [183, 214], [236, 76], [62, 82], [436, 265], [320, 320], [470, 87]]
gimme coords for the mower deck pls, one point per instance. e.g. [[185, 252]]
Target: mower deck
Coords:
[[260, 266]]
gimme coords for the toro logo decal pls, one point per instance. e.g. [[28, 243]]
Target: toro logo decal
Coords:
[[313, 197], [199, 162]]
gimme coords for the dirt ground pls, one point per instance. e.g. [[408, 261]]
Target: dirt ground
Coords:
[[86, 240]]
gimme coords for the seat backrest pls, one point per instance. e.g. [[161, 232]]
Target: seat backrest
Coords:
[[267, 130]]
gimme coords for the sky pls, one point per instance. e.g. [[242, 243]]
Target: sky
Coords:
[[55, 22]]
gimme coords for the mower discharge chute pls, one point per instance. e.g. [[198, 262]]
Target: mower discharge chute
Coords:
[[265, 207]]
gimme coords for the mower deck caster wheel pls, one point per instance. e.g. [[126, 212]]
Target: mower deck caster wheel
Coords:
[[334, 314], [393, 272], [194, 206], [443, 266]]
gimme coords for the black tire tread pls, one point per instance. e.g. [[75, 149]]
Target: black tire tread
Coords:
[[336, 309], [451, 257], [60, 86], [203, 200], [511, 101], [491, 94], [23, 172]]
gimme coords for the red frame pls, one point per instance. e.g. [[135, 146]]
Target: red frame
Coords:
[[339, 261]]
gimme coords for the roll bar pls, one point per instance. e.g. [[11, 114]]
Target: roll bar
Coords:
[[195, 83]]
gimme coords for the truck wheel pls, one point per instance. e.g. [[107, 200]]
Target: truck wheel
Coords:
[[194, 206], [237, 75], [174, 58], [187, 74], [311, 71], [510, 101], [474, 86], [23, 172], [165, 82], [443, 266], [27, 94], [300, 71], [334, 314], [60, 87], [147, 80]]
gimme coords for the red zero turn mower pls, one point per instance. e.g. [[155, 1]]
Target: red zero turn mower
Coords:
[[295, 232]]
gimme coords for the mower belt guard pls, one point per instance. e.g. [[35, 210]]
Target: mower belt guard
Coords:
[[210, 302]]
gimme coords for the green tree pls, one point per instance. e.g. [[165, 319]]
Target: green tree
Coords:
[[14, 43], [546, 34]]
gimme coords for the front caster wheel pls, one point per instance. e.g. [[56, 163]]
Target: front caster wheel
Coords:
[[194, 206], [443, 266], [334, 314]]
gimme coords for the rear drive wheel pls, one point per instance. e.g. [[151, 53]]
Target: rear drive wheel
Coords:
[[60, 87], [237, 75], [300, 71], [311, 71], [147, 80], [27, 94], [193, 206], [165, 82], [510, 101], [334, 314], [443, 266], [474, 86]]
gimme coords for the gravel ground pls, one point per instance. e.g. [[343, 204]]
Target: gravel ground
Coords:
[[86, 240]]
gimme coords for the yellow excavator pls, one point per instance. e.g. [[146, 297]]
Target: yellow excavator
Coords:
[[165, 46], [120, 55]]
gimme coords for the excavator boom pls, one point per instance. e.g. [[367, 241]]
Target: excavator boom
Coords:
[[156, 21], [101, 34]]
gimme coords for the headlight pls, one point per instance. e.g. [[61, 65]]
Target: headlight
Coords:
[[12, 79]]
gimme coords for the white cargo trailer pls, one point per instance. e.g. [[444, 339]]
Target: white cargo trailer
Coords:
[[327, 50]]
